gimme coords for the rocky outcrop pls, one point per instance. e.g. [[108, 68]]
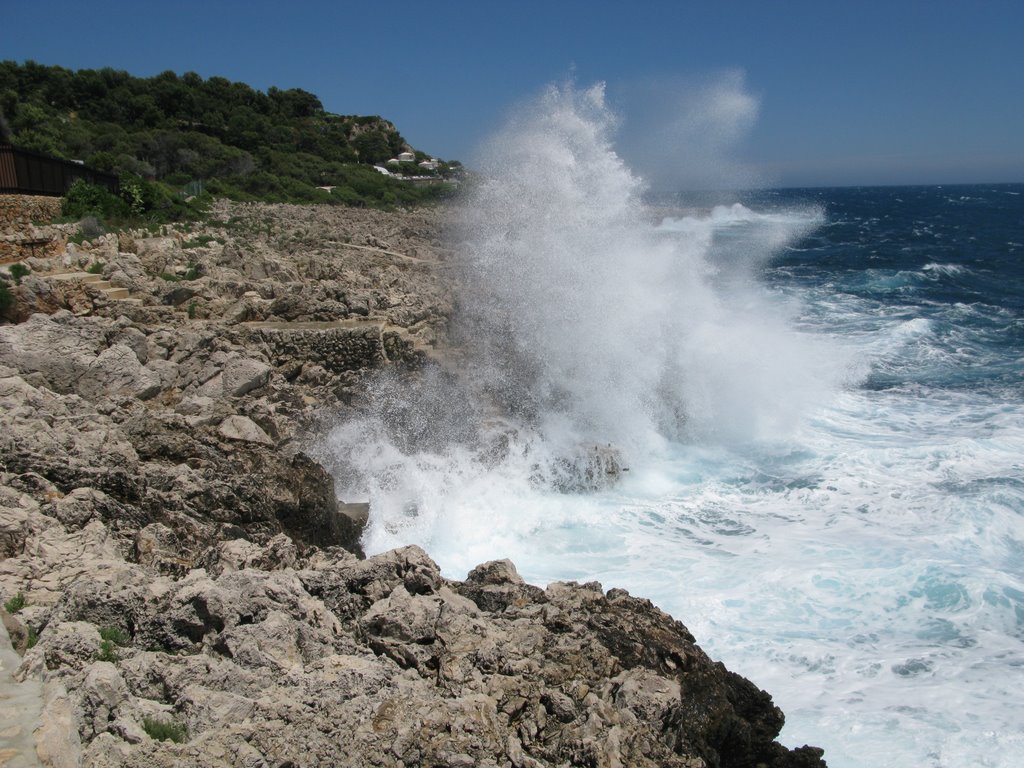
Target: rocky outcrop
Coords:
[[190, 590], [265, 659], [210, 458]]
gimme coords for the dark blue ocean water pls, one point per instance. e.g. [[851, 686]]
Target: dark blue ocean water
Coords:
[[950, 255]]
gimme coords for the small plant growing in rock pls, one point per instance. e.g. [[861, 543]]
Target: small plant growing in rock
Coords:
[[201, 241], [162, 730], [169, 277], [115, 635], [191, 310], [31, 638], [16, 603], [96, 268], [111, 638], [107, 652], [6, 297], [18, 271]]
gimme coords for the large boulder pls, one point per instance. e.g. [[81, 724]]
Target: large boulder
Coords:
[[71, 355]]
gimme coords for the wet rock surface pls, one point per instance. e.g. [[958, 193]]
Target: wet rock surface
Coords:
[[192, 591]]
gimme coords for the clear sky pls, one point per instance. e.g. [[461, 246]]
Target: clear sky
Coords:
[[821, 92]]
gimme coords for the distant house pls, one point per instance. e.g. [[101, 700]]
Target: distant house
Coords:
[[385, 171], [429, 165], [406, 157]]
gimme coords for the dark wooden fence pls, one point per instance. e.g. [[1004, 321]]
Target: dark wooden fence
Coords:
[[30, 173]]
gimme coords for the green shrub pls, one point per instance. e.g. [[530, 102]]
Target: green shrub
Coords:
[[96, 268], [162, 730], [6, 297], [16, 603], [85, 199], [18, 271], [199, 242], [32, 638], [115, 635], [132, 195], [107, 652]]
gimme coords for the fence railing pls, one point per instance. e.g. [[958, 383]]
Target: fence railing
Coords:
[[23, 172]]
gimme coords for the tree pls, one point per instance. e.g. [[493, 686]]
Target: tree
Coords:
[[372, 146], [294, 102]]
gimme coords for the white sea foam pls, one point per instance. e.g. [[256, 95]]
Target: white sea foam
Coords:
[[944, 269], [855, 551]]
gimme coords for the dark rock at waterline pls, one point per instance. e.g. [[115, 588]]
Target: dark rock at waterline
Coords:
[[587, 469], [267, 656]]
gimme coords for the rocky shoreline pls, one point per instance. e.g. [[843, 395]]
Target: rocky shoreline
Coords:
[[189, 590]]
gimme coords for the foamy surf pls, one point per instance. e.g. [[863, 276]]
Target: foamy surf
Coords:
[[817, 484]]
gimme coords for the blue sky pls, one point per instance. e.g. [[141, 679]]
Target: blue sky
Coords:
[[830, 93]]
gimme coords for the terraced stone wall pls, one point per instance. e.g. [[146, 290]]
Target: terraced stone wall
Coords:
[[337, 347], [19, 212], [19, 238]]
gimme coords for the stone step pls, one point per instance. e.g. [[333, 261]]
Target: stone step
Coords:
[[96, 281], [80, 277]]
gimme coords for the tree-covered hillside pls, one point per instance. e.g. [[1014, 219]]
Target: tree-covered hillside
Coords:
[[179, 130]]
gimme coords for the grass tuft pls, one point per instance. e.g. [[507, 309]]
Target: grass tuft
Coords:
[[162, 730], [16, 603], [116, 635]]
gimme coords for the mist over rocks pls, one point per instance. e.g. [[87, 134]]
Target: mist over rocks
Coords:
[[185, 561]]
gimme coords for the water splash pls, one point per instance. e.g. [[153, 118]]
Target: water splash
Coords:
[[591, 332], [617, 327], [870, 557]]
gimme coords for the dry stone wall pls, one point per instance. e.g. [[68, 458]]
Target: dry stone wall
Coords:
[[19, 212], [19, 235], [335, 346]]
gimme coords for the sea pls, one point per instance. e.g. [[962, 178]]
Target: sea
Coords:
[[793, 419]]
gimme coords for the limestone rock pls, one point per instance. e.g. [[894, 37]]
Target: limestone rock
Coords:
[[243, 429], [57, 741], [70, 645], [117, 370], [309, 665], [243, 375]]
